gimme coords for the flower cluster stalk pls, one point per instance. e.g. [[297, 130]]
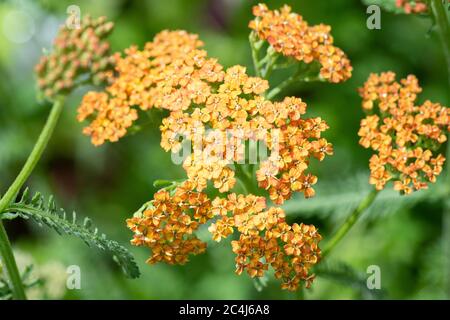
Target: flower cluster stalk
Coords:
[[351, 220]]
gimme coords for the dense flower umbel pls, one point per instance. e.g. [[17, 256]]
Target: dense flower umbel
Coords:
[[266, 240], [112, 117], [218, 111], [77, 53], [170, 73], [167, 224], [404, 136], [412, 6], [291, 36]]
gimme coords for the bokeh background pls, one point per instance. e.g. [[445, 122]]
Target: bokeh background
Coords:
[[403, 236]]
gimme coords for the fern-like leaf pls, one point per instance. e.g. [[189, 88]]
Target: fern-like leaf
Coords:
[[335, 200], [347, 275], [46, 213]]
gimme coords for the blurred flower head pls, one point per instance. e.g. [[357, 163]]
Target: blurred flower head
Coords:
[[78, 56]]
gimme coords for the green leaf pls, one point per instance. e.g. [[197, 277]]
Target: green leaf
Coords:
[[46, 213], [336, 199]]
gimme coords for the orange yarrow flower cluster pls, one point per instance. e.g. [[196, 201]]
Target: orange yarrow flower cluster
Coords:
[[169, 73], [266, 240], [82, 51], [289, 34], [167, 225], [412, 6], [217, 110], [405, 137]]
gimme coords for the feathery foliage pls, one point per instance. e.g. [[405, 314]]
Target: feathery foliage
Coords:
[[388, 5], [345, 274], [5, 288], [46, 213], [335, 200]]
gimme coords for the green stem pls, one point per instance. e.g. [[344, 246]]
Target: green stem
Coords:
[[10, 265], [446, 226], [244, 178], [27, 169], [255, 52], [351, 220], [275, 91], [271, 58], [439, 12], [300, 75]]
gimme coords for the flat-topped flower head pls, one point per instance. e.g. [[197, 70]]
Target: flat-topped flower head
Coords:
[[166, 225], [236, 112], [217, 110], [78, 56], [290, 35], [405, 137], [111, 120]]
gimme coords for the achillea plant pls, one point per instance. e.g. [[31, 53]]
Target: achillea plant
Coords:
[[406, 138], [167, 74], [220, 112], [167, 225], [212, 116]]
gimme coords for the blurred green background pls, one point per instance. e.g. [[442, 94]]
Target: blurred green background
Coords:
[[401, 236]]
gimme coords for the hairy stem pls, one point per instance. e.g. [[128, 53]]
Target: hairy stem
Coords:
[[351, 220], [5, 246]]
